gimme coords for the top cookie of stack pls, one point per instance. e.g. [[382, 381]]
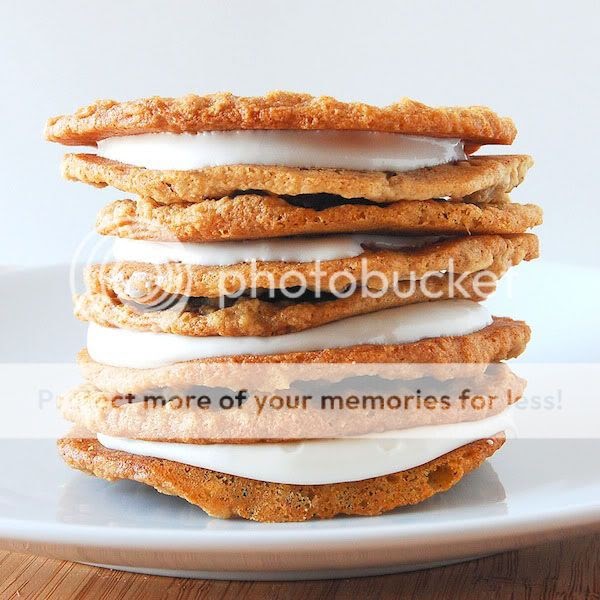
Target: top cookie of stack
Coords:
[[220, 167]]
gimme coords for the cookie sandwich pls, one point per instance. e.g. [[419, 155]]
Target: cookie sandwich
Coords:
[[292, 240]]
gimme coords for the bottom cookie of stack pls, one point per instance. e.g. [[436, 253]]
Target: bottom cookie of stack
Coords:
[[225, 495]]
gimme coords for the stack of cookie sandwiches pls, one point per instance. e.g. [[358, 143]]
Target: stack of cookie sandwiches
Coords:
[[286, 251]]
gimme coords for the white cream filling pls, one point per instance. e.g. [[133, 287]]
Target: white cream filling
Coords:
[[355, 150], [317, 462], [405, 324], [293, 249]]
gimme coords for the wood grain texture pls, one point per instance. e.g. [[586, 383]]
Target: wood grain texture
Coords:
[[569, 569]]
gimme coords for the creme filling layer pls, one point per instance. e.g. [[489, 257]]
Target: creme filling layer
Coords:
[[354, 150], [290, 249], [405, 324], [318, 462]]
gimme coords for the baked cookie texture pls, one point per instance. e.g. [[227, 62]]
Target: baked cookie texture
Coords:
[[275, 110], [259, 317], [171, 415], [479, 179], [460, 255], [501, 340], [225, 496], [255, 217]]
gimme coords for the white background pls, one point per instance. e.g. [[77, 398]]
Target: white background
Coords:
[[534, 61]]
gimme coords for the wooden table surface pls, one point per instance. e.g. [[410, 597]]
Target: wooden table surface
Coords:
[[566, 570]]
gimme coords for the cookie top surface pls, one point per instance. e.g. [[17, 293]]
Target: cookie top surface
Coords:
[[276, 110]]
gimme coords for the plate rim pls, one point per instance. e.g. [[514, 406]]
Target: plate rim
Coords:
[[563, 518]]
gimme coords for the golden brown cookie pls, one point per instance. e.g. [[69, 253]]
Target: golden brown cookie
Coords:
[[263, 317], [275, 110], [256, 217], [458, 255], [501, 340], [320, 411], [225, 496], [479, 179]]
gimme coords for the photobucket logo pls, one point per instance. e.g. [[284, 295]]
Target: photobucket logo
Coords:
[[317, 280], [101, 281]]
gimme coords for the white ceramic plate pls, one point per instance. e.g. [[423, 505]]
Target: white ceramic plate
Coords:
[[531, 491]]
